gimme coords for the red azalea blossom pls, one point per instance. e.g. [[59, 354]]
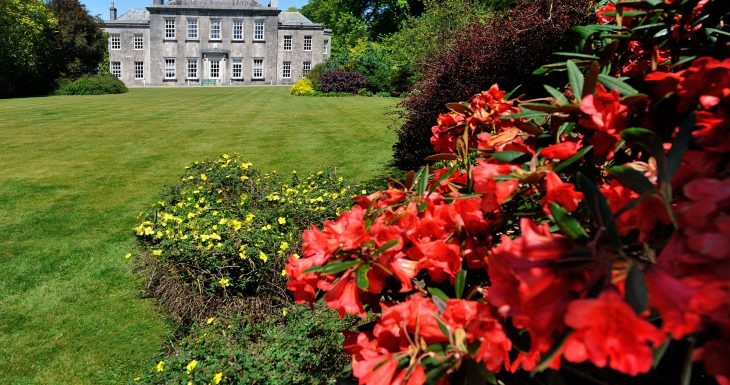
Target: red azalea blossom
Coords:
[[560, 151], [559, 192], [608, 332]]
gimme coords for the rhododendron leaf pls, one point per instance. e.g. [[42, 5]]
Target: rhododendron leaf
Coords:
[[565, 128], [613, 83], [459, 108], [679, 146], [592, 79], [507, 156], [575, 78], [442, 178], [434, 375], [529, 114], [386, 246], [651, 143], [422, 177], [637, 295], [649, 26], [580, 154], [631, 178], [550, 107], [409, 179], [550, 355], [686, 378], [441, 157], [362, 277], [659, 352], [567, 224], [438, 293], [436, 348], [556, 94], [713, 31], [577, 55], [508, 95], [599, 208], [472, 373], [460, 283], [333, 267]]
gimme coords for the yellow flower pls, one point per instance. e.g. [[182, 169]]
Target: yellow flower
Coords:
[[284, 245], [242, 252], [203, 177], [244, 178], [217, 378], [210, 320], [296, 256], [284, 312], [363, 192], [224, 282], [157, 252], [129, 255], [160, 366], [283, 273], [282, 220], [191, 366], [263, 256], [249, 217]]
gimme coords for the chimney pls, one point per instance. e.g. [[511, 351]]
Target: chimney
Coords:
[[274, 4], [112, 12]]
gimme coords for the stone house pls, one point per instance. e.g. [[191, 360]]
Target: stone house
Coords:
[[213, 42]]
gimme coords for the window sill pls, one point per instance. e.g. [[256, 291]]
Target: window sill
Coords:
[[258, 79], [169, 40], [192, 40], [215, 40], [259, 41], [169, 79], [238, 41]]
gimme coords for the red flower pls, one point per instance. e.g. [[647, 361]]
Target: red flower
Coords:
[[714, 132], [560, 151], [303, 285], [528, 287], [344, 296], [444, 135], [715, 355], [400, 321], [560, 192], [608, 332], [643, 217], [441, 260]]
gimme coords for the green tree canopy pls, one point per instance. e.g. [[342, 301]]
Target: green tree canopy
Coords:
[[80, 41]]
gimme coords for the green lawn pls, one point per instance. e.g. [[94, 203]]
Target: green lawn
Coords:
[[75, 171]]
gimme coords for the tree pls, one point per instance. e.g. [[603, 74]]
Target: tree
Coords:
[[25, 44], [80, 40]]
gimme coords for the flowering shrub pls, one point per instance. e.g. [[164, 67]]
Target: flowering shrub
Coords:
[[303, 347], [226, 228], [587, 226], [303, 87], [342, 81]]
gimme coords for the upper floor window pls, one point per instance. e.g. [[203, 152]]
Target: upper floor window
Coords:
[[115, 68], [306, 67], [258, 68], [138, 41], [237, 69], [215, 30], [115, 42], [139, 70], [170, 69], [193, 29], [325, 46], [169, 28], [287, 43], [237, 29], [307, 43], [258, 30]]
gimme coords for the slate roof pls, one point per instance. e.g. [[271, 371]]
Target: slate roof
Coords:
[[134, 15], [293, 18], [217, 3]]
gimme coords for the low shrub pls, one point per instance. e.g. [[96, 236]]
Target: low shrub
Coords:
[[342, 81], [503, 50], [221, 234], [303, 87], [301, 347], [93, 85]]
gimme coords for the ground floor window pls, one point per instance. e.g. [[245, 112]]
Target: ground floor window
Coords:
[[286, 70], [192, 68], [170, 69], [115, 68], [215, 69], [258, 68], [306, 67], [237, 69], [139, 70]]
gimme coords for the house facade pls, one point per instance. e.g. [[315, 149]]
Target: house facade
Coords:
[[213, 42]]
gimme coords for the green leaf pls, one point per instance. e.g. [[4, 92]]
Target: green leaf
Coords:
[[435, 375], [333, 267], [658, 354], [635, 180], [529, 114], [362, 277], [613, 83], [508, 95], [567, 224], [575, 77], [556, 94], [422, 181], [573, 158], [680, 145], [460, 283], [590, 84], [577, 55], [386, 246], [599, 208], [714, 31], [652, 144], [637, 295], [438, 293], [442, 178], [550, 107], [550, 355], [507, 156]]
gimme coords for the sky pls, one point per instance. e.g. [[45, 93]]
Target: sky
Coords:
[[101, 7]]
